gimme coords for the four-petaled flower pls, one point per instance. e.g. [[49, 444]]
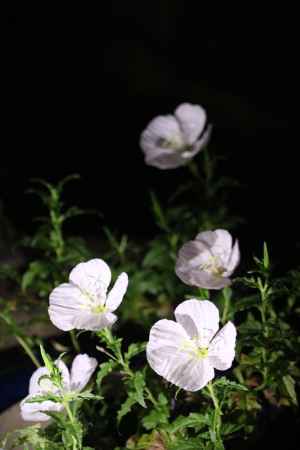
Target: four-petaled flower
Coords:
[[173, 140], [83, 303], [209, 260], [186, 352], [40, 384]]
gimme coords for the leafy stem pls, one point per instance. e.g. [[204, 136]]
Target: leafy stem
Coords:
[[216, 422], [114, 345]]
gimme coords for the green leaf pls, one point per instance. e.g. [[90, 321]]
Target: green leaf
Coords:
[[266, 259], [134, 349], [47, 360], [88, 396], [104, 369], [139, 385], [159, 414], [289, 384], [223, 382], [125, 408], [193, 420], [188, 443]]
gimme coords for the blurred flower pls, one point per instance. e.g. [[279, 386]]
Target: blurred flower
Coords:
[[40, 384], [173, 140], [186, 352], [209, 260], [83, 303]]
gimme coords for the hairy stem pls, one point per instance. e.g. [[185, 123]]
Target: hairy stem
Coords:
[[216, 424]]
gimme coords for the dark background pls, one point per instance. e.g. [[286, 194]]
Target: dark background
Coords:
[[80, 85]]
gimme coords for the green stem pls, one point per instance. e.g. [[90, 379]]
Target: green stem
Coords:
[[216, 431], [76, 438], [213, 396], [69, 412], [28, 350], [150, 396], [263, 290], [226, 305], [75, 341]]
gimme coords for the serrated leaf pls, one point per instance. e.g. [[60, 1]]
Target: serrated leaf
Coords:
[[104, 369], [139, 385], [189, 443], [88, 396], [232, 385], [125, 408], [134, 349], [159, 415], [289, 384], [193, 420]]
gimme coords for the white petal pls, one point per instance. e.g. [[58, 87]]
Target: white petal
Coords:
[[33, 411], [192, 119], [94, 321], [117, 293], [92, 276], [165, 159], [233, 260], [200, 318], [83, 368], [66, 301], [221, 349], [219, 242], [193, 254], [38, 384], [207, 238], [34, 385], [201, 143], [191, 257], [222, 246], [203, 279], [167, 357], [159, 132]]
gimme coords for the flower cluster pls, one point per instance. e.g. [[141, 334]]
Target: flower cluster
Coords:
[[185, 352]]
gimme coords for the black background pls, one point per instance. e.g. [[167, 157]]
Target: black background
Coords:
[[80, 85]]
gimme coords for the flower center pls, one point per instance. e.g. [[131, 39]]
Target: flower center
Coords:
[[202, 353], [98, 309], [213, 266], [191, 346], [176, 143], [93, 302]]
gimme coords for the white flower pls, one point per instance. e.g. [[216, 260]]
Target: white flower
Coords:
[[209, 260], [186, 352], [173, 140], [83, 303], [82, 369]]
